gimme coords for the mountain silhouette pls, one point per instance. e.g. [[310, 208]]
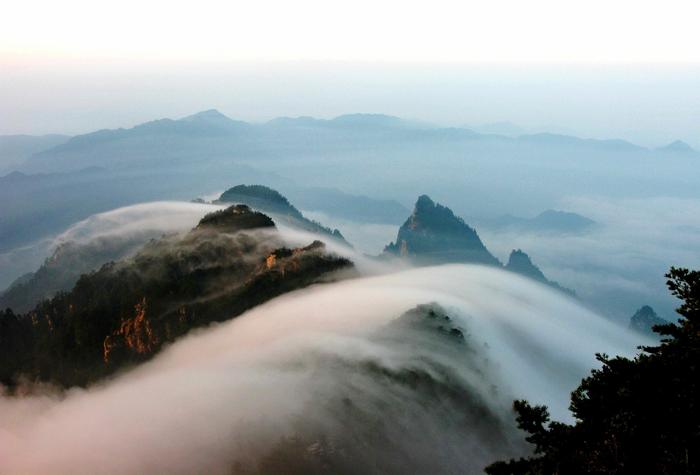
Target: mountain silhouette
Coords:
[[644, 320], [520, 263], [272, 202], [433, 234]]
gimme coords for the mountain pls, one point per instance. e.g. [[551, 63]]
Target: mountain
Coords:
[[371, 429], [39, 205], [549, 221], [433, 234], [15, 149], [272, 202], [369, 120], [520, 263], [644, 320], [211, 137], [151, 144], [212, 119], [567, 141], [63, 268], [677, 146], [233, 260]]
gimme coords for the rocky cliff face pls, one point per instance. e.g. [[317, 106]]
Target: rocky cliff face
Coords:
[[433, 234], [126, 311]]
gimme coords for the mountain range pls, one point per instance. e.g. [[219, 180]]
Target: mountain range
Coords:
[[210, 135], [431, 235], [331, 166], [16, 149]]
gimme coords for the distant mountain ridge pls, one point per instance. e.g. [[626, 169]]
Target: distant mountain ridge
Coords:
[[213, 135], [548, 221], [15, 149], [678, 146]]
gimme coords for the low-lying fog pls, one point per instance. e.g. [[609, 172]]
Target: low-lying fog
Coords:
[[225, 398]]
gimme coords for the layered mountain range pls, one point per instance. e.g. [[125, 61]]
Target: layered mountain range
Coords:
[[220, 135], [431, 235]]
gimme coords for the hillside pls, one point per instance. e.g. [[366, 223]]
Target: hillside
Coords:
[[127, 310], [272, 202]]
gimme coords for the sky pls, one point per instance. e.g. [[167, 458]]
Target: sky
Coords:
[[623, 68]]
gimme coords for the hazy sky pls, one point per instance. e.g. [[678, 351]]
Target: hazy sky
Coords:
[[623, 68]]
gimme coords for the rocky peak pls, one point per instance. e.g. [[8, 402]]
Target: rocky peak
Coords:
[[645, 319], [520, 263], [433, 234]]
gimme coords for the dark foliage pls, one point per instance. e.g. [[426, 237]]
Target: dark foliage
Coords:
[[632, 416], [63, 268], [126, 311]]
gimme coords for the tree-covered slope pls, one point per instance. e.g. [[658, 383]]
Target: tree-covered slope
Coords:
[[126, 311], [632, 416]]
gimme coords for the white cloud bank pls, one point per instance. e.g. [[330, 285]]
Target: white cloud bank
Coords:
[[232, 391]]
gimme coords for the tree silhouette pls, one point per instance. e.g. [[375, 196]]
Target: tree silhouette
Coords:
[[632, 416]]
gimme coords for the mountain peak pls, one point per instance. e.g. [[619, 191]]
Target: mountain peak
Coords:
[[433, 234], [210, 115], [245, 193], [677, 146], [424, 203], [645, 319], [520, 263]]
